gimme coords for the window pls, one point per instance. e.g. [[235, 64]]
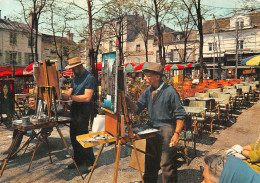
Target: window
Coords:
[[13, 38], [240, 24], [10, 56], [19, 61], [138, 48], [212, 46], [31, 42], [175, 55], [189, 55], [118, 26], [240, 44], [178, 37], [28, 58], [110, 46]]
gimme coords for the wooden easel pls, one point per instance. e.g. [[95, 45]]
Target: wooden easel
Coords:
[[113, 127], [47, 93]]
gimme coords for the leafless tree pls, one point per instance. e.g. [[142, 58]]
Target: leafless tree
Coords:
[[194, 9], [33, 8]]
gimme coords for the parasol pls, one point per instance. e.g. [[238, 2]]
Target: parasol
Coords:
[[254, 60], [141, 66]]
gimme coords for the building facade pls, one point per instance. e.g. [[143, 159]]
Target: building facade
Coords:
[[229, 40], [16, 44]]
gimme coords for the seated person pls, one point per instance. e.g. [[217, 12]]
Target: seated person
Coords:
[[228, 169], [31, 111], [249, 153]]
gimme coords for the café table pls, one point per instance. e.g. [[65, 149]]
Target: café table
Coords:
[[194, 112]]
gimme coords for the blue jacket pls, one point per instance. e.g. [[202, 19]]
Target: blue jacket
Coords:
[[164, 109]]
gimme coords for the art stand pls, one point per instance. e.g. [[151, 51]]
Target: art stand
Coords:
[[115, 132], [46, 93]]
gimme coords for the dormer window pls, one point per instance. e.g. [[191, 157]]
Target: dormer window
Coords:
[[178, 37], [240, 24], [138, 48]]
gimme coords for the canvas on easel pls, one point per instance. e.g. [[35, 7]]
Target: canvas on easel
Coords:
[[50, 78]]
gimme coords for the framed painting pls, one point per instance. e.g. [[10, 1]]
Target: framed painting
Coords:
[[109, 83]]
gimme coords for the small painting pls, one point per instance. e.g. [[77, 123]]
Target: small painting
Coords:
[[109, 82]]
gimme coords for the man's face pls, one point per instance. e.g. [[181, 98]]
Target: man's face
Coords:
[[76, 70], [151, 79], [206, 178], [32, 103]]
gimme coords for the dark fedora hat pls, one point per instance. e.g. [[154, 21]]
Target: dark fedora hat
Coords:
[[74, 62], [155, 68]]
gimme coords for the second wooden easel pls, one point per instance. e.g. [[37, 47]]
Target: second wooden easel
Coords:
[[114, 127]]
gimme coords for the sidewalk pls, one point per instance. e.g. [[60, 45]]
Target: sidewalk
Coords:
[[245, 130]]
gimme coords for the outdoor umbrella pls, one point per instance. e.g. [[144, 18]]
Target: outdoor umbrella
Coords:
[[132, 64], [141, 66], [189, 65], [177, 67], [254, 60], [129, 68], [29, 68], [197, 65], [167, 67]]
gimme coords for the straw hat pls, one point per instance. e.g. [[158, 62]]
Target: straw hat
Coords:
[[74, 62], [154, 67]]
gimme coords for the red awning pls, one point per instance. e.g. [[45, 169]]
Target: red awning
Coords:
[[10, 69]]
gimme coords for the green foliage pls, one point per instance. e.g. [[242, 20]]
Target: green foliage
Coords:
[[135, 89]]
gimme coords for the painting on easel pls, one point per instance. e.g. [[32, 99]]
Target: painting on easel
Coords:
[[50, 78], [109, 82]]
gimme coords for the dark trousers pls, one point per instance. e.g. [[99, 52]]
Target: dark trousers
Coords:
[[166, 157], [80, 114]]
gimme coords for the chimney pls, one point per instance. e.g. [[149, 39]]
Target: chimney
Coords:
[[0, 14], [68, 35], [5, 17], [30, 19], [71, 36]]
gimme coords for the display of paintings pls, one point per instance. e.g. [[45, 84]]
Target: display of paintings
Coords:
[[109, 82], [7, 101]]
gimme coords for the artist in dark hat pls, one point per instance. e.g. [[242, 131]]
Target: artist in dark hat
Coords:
[[167, 115], [80, 92]]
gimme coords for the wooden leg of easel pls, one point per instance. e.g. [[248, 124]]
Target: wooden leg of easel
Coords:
[[48, 148], [38, 144], [117, 161], [138, 163], [95, 163], [65, 144], [10, 153]]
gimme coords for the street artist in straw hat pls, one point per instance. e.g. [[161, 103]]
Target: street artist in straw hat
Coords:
[[167, 115], [80, 92]]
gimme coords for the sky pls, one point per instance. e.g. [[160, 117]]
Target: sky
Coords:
[[10, 8]]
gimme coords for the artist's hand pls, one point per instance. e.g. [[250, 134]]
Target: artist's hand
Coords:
[[64, 96], [175, 140]]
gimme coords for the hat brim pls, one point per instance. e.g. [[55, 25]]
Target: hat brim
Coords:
[[71, 66], [148, 70]]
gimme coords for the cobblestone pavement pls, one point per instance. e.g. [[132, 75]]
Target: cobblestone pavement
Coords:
[[242, 129]]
